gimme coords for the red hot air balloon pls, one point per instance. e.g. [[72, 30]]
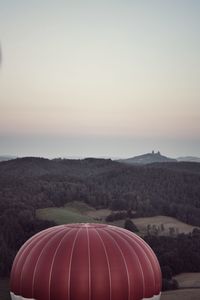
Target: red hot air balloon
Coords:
[[85, 262]]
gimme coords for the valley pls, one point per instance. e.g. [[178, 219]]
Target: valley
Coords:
[[80, 212]]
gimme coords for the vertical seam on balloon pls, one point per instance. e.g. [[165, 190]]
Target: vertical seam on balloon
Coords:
[[23, 249], [89, 263], [34, 272], [124, 233], [149, 262], [109, 272], [157, 265], [70, 263], [153, 256], [124, 260], [147, 247], [120, 234], [52, 263], [40, 241]]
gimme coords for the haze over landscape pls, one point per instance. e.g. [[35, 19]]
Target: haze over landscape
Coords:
[[99, 78]]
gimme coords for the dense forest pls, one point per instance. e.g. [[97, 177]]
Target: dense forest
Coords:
[[176, 255], [171, 189]]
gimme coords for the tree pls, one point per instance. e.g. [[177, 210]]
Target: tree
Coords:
[[129, 225]]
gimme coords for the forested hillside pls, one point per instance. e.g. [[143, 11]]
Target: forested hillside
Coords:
[[27, 184]]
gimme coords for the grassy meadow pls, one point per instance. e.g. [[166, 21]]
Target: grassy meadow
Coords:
[[79, 212], [63, 215], [73, 212], [167, 222]]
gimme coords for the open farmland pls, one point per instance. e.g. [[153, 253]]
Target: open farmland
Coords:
[[188, 280], [73, 212], [189, 284], [162, 225], [62, 215], [187, 294], [79, 207], [167, 222], [98, 214], [77, 211]]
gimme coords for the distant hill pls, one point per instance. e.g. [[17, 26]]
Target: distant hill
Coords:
[[37, 166], [6, 157], [148, 158], [189, 158]]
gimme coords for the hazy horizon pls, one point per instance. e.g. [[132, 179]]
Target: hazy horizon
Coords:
[[93, 148], [100, 78]]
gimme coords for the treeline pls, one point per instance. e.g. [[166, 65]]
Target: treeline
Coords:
[[171, 189], [17, 223]]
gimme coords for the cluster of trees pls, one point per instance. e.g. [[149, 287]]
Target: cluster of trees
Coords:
[[150, 191], [119, 215], [17, 223], [176, 255], [129, 225]]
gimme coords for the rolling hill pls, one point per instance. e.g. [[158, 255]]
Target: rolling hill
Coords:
[[147, 158], [6, 157], [189, 159]]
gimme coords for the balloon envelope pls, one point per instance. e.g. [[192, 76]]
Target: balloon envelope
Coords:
[[87, 262]]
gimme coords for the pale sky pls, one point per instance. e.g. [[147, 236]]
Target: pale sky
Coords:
[[100, 78]]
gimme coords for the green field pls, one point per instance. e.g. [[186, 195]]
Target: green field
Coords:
[[79, 212], [71, 213]]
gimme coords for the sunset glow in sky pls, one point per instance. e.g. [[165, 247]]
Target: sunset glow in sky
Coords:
[[100, 78]]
